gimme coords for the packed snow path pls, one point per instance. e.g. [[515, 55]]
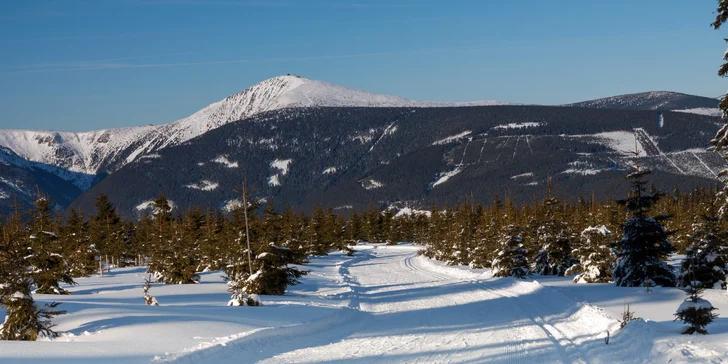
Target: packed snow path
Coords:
[[400, 311]]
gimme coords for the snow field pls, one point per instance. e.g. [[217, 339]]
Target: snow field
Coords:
[[385, 304]]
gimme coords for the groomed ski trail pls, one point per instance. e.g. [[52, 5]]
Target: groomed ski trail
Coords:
[[404, 308]]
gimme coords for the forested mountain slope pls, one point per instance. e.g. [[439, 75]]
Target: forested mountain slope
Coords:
[[348, 157], [84, 158]]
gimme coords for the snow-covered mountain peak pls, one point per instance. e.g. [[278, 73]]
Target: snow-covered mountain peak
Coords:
[[282, 92], [79, 157], [652, 100]]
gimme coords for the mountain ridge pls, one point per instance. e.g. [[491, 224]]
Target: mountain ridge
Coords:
[[653, 100], [347, 157], [106, 150], [81, 159]]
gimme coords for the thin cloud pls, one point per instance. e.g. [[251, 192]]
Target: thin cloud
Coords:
[[213, 3], [46, 13], [110, 64], [331, 4], [90, 64], [344, 4], [71, 37]]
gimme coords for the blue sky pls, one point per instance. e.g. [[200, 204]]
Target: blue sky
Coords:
[[82, 65]]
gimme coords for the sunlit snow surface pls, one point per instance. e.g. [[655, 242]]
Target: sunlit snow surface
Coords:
[[715, 112], [384, 304]]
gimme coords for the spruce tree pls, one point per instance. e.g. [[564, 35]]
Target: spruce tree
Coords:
[[645, 246], [211, 242], [331, 238], [271, 224], [511, 258], [149, 300], [191, 236], [353, 229], [553, 239], [316, 235], [106, 231], [240, 263], [555, 258], [24, 319], [78, 249], [705, 264], [273, 273], [171, 262], [292, 232], [720, 141], [695, 311], [49, 269], [596, 260]]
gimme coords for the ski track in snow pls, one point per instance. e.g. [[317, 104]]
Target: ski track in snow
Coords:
[[385, 304], [465, 150], [399, 311], [529, 144], [704, 165], [500, 147], [480, 156]]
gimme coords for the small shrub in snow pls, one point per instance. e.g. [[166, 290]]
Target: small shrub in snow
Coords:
[[627, 316], [695, 311], [239, 298], [510, 259], [149, 299], [596, 260], [348, 250]]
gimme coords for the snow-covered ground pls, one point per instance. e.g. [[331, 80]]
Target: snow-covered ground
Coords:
[[384, 304]]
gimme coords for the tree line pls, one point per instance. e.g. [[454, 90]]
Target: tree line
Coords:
[[43, 252]]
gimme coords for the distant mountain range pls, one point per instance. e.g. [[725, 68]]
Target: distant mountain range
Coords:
[[303, 141]]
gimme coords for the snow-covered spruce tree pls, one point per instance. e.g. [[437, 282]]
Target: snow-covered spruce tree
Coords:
[[148, 298], [553, 239], [106, 231], [388, 230], [484, 239], [645, 246], [353, 229], [372, 224], [80, 253], [24, 320], [510, 259], [705, 262], [48, 267], [596, 260], [555, 258], [211, 242], [171, 261], [237, 271], [695, 311], [720, 141], [273, 273], [316, 244], [292, 233]]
